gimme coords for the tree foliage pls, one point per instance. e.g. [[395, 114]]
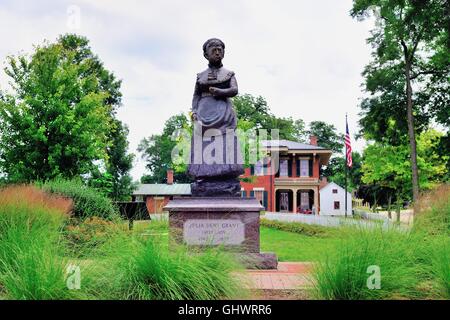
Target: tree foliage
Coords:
[[254, 113], [120, 162], [157, 149], [388, 166], [59, 119], [115, 180], [327, 136], [408, 78], [335, 171]]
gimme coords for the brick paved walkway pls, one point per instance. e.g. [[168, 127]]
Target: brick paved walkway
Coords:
[[288, 276]]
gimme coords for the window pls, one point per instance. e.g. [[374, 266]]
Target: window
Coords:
[[337, 205], [334, 190], [283, 168], [259, 195], [304, 168], [304, 200], [284, 202]]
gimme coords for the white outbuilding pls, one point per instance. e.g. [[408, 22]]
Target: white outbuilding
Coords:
[[332, 200]]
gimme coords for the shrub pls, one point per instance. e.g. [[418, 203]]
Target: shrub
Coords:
[[36, 270], [87, 201], [180, 275], [344, 274], [433, 212], [413, 263], [296, 227], [27, 206], [83, 237], [31, 266], [150, 270], [440, 265], [432, 224]]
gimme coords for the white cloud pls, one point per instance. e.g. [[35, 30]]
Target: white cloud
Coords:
[[304, 57]]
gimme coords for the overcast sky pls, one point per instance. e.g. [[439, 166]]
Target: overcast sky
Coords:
[[305, 57]]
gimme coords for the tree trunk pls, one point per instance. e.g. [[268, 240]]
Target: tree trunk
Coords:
[[411, 133], [389, 208], [374, 201], [399, 201]]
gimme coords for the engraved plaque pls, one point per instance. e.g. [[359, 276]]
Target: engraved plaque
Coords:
[[213, 232]]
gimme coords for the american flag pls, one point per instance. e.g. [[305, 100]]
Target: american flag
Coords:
[[348, 146]]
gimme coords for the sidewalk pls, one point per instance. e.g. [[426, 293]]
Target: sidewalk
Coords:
[[290, 281], [289, 276]]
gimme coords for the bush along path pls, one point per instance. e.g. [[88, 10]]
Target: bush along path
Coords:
[[393, 264], [36, 251], [39, 240]]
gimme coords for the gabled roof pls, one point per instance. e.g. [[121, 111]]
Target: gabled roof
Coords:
[[335, 185], [161, 189], [290, 145], [294, 147]]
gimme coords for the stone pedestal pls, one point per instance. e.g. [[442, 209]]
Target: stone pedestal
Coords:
[[231, 222]]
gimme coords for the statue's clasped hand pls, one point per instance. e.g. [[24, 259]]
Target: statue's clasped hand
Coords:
[[214, 91]]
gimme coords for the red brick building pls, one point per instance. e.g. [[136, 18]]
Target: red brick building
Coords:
[[157, 195], [294, 187]]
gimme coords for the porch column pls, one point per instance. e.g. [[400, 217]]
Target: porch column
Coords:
[[316, 199], [294, 166], [274, 199], [294, 200]]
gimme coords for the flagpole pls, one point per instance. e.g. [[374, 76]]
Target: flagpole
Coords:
[[346, 170]]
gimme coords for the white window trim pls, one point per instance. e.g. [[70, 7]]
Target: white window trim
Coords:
[[339, 205]]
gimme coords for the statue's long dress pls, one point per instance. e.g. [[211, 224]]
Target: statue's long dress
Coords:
[[215, 113]]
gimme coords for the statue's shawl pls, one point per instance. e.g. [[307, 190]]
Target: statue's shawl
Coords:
[[222, 75]]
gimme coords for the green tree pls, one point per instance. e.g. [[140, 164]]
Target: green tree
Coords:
[[388, 166], [385, 166], [57, 120], [289, 128], [252, 110], [335, 171], [254, 113], [120, 162], [113, 178], [443, 150], [327, 136], [408, 77], [157, 151]]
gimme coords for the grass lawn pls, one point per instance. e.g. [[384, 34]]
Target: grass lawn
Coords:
[[288, 246], [291, 246], [152, 226]]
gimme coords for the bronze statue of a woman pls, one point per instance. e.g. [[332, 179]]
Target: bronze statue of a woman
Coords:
[[216, 161]]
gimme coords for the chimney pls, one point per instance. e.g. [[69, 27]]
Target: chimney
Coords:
[[313, 140], [169, 176]]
